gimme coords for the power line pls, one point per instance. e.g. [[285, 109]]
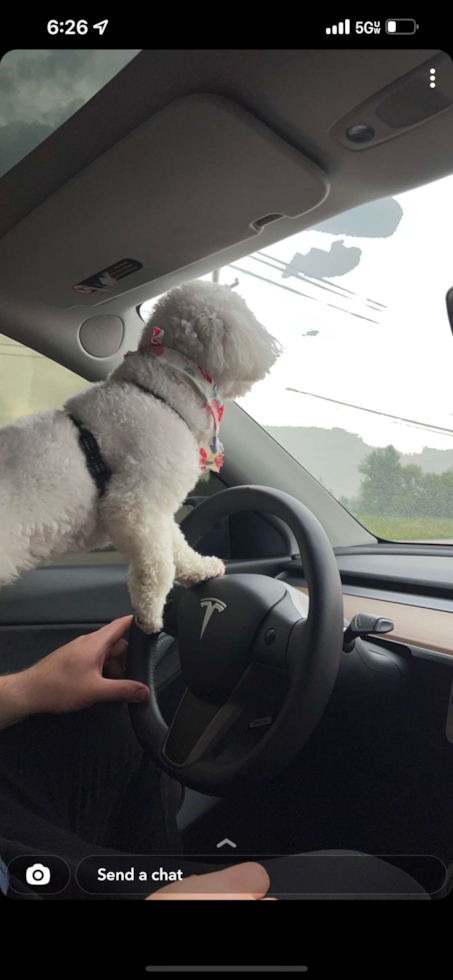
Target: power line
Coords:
[[336, 288], [298, 293], [298, 274], [373, 411]]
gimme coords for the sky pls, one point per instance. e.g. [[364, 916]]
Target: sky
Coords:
[[400, 365]]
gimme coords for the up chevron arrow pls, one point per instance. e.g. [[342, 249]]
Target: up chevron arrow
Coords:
[[226, 841]]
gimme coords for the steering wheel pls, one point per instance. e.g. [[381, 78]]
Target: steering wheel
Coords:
[[258, 675]]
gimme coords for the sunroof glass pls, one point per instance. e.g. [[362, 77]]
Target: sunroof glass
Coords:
[[40, 90]]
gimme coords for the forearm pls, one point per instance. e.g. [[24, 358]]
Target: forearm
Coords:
[[16, 701]]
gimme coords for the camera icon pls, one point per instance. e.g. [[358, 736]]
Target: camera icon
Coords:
[[37, 874]]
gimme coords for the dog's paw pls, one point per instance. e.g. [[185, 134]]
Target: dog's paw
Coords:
[[208, 568], [212, 568], [149, 624]]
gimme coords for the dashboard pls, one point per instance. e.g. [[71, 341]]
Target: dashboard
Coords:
[[414, 589]]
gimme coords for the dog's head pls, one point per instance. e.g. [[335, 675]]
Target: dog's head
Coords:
[[214, 327]]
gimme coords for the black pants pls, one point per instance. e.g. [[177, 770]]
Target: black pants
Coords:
[[77, 784]]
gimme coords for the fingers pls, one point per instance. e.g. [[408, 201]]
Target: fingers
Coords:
[[115, 660], [250, 877], [121, 690], [104, 638], [246, 882]]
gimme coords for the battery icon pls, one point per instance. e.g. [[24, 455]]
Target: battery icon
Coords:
[[405, 25]]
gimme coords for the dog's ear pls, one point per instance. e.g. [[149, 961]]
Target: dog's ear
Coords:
[[240, 348], [212, 325]]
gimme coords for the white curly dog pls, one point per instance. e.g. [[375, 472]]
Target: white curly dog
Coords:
[[149, 419]]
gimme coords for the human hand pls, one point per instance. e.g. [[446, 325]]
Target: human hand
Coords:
[[248, 881], [70, 678]]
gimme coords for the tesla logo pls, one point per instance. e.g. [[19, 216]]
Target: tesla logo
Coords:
[[211, 605]]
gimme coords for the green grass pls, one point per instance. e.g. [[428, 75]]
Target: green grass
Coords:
[[408, 529]]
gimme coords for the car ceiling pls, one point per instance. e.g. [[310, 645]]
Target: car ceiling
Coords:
[[296, 97], [298, 94]]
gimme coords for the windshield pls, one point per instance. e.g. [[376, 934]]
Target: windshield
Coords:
[[362, 395]]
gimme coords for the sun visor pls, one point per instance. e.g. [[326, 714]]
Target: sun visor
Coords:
[[200, 176]]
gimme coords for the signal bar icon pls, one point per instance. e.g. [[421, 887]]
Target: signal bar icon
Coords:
[[341, 28]]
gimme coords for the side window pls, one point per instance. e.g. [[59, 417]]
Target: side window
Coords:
[[30, 382]]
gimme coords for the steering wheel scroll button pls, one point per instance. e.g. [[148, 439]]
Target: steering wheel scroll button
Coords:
[[272, 640]]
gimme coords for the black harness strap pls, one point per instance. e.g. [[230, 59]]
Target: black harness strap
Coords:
[[96, 464]]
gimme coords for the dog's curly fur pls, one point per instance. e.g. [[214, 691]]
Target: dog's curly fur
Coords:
[[49, 504]]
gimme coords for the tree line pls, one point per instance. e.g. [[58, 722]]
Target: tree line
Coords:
[[390, 489]]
